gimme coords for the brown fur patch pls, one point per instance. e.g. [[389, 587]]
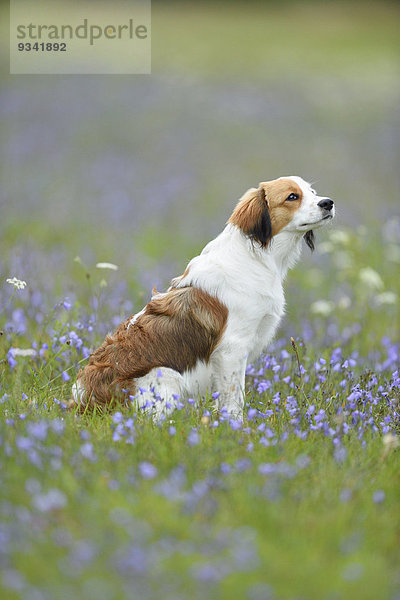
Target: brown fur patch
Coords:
[[281, 212], [176, 330], [265, 210], [248, 211]]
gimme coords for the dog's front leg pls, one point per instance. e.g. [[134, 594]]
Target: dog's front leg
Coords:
[[229, 380]]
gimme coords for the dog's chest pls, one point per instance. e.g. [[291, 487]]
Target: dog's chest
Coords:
[[254, 317], [267, 311]]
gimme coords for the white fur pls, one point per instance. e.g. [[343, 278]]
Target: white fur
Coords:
[[159, 390], [135, 317], [78, 392]]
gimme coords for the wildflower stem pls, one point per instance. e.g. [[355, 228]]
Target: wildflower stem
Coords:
[[297, 357], [73, 367]]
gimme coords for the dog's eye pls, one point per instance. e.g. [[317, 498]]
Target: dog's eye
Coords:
[[292, 197]]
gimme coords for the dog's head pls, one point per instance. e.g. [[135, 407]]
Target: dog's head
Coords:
[[284, 204]]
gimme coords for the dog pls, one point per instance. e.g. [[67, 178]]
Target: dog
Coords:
[[199, 335]]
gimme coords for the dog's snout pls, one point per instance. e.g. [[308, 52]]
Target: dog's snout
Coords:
[[326, 204]]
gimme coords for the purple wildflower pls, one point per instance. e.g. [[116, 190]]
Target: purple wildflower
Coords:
[[193, 438], [53, 499], [379, 496], [147, 470]]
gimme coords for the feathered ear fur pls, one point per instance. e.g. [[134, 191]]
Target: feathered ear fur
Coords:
[[262, 229], [310, 239], [251, 215]]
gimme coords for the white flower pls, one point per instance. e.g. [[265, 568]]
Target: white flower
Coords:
[[23, 352], [370, 278], [105, 265], [322, 307], [387, 298], [325, 247], [390, 441], [338, 236], [344, 302], [20, 285]]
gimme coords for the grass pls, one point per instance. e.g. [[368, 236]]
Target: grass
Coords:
[[294, 502], [299, 501]]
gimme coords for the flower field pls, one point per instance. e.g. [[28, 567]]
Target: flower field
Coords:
[[109, 190]]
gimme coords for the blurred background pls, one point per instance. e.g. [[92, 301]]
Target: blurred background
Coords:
[[142, 171]]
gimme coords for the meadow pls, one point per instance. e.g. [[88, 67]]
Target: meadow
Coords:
[[301, 500]]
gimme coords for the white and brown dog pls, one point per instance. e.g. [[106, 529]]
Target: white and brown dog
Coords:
[[221, 313]]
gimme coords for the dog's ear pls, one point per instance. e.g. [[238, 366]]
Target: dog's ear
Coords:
[[251, 215], [262, 228], [310, 239]]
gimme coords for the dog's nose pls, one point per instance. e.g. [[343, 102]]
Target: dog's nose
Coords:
[[326, 203]]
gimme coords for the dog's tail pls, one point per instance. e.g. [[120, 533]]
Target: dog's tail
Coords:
[[100, 383]]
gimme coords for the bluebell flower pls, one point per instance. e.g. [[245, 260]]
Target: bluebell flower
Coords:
[[193, 438], [65, 376], [147, 470], [379, 496]]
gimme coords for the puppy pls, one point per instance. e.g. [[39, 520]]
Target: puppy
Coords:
[[220, 314]]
